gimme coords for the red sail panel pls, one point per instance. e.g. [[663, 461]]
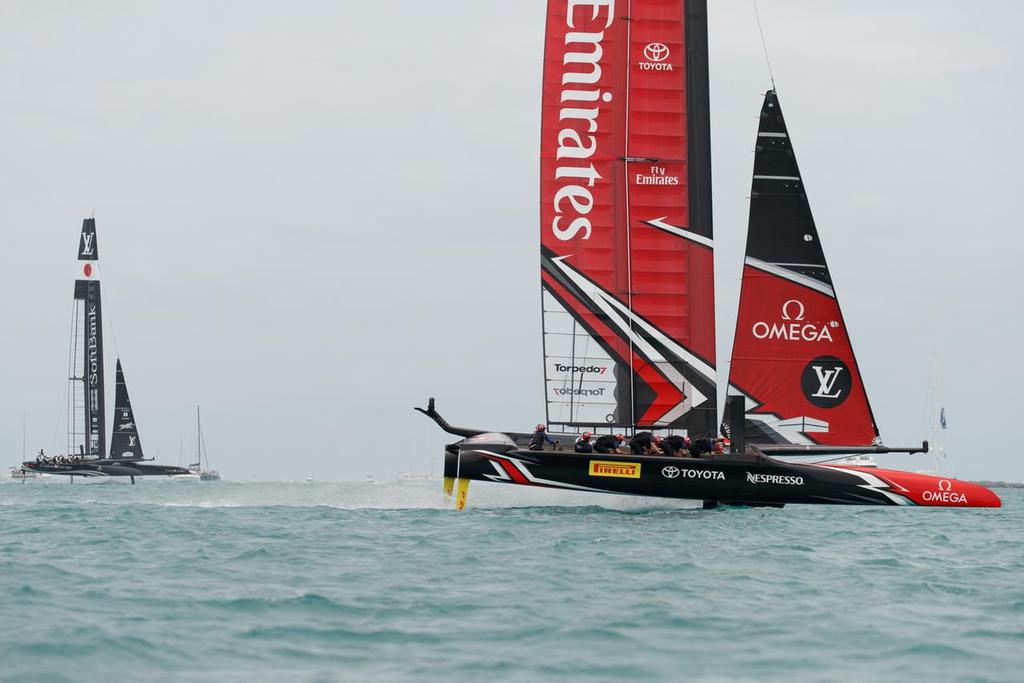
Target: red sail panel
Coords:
[[620, 243], [792, 357]]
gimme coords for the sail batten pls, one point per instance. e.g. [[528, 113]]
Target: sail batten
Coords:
[[626, 235], [792, 356]]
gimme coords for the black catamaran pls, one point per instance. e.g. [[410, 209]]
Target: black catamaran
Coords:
[[87, 454], [628, 292]]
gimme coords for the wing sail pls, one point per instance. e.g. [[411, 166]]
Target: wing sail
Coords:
[[627, 269], [87, 412]]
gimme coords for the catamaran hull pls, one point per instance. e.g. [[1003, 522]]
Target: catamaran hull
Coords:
[[740, 478], [105, 470]]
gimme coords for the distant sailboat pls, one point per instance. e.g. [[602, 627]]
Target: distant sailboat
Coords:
[[86, 448], [196, 470], [205, 473], [17, 471]]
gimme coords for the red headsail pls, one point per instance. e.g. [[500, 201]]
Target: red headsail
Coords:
[[626, 235], [792, 356]]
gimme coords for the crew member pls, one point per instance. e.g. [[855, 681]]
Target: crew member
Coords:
[[608, 443], [584, 444], [675, 445], [540, 437], [701, 447], [640, 442], [644, 443]]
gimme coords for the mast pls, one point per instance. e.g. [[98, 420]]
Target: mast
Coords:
[[792, 357], [87, 375], [125, 443], [199, 439], [627, 263]]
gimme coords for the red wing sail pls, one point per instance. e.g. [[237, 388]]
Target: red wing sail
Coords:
[[626, 251], [792, 356]]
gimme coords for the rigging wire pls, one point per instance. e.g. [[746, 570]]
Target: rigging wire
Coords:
[[202, 443], [764, 44], [65, 406]]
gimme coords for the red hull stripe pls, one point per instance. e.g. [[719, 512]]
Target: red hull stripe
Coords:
[[932, 491]]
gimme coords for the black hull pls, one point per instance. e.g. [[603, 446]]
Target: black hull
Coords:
[[105, 468], [745, 479]]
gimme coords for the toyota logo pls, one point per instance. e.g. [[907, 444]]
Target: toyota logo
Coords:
[[945, 485], [656, 52], [670, 471]]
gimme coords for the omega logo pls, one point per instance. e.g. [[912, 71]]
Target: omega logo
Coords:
[[793, 305]]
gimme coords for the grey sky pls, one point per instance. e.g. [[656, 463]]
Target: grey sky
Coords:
[[313, 215]]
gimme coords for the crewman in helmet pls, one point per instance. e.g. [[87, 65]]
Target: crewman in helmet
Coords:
[[645, 443], [675, 445], [540, 437], [702, 447], [584, 444], [609, 443]]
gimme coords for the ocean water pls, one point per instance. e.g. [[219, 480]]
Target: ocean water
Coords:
[[201, 581]]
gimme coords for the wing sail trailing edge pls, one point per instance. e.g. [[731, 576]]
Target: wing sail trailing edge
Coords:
[[627, 267], [792, 357]]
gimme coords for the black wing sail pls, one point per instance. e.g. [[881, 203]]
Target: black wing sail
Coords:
[[88, 403], [124, 442]]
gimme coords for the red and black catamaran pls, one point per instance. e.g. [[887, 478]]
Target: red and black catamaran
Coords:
[[86, 430], [627, 282]]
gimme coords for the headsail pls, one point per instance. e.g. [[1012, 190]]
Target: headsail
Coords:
[[792, 356], [86, 412], [124, 439], [626, 235]]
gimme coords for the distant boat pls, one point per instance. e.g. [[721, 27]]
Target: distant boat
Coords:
[[17, 471], [370, 479], [196, 470], [87, 454], [410, 475], [417, 476], [309, 479]]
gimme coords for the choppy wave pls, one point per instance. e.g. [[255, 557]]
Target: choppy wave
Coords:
[[321, 582]]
